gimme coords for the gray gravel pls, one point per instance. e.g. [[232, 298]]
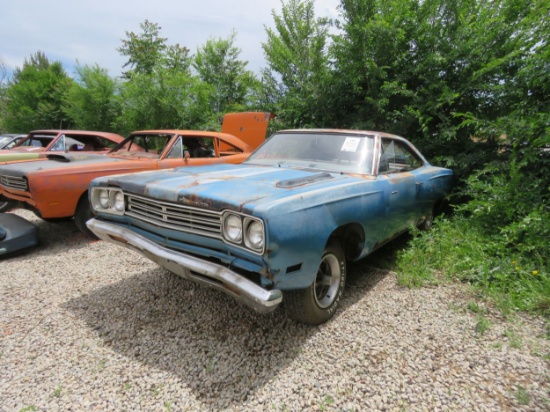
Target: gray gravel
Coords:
[[87, 326]]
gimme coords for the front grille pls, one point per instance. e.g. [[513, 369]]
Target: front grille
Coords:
[[12, 182], [174, 216]]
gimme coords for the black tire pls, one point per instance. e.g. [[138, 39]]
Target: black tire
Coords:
[[319, 302], [6, 205], [83, 214], [57, 219]]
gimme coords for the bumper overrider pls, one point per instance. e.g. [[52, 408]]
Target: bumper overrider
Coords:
[[191, 268]]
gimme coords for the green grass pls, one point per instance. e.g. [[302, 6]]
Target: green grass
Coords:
[[326, 402], [513, 339], [482, 324], [475, 308], [522, 396], [57, 392], [455, 250]]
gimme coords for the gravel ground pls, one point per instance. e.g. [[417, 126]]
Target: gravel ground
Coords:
[[87, 326]]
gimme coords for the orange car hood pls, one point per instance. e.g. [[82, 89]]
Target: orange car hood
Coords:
[[68, 163]]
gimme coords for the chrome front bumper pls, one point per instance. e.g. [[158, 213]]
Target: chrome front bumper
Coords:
[[190, 267]]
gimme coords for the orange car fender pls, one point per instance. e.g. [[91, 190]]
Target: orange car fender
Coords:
[[57, 199]]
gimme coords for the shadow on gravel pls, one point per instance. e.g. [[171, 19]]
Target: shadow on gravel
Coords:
[[221, 349]]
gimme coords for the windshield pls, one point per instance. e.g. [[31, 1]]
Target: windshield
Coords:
[[36, 140], [334, 152]]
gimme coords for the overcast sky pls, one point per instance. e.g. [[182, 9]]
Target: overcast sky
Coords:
[[90, 31]]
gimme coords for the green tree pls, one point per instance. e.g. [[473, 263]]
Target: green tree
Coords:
[[512, 192], [298, 64], [91, 102], [160, 91], [468, 81], [143, 50], [3, 92], [35, 95], [165, 99], [424, 69], [370, 56], [218, 64]]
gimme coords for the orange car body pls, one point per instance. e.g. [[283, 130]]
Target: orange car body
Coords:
[[55, 187]]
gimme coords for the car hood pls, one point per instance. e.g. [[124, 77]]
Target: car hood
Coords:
[[236, 187], [69, 163]]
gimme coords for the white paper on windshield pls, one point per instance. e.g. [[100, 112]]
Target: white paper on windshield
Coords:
[[350, 144]]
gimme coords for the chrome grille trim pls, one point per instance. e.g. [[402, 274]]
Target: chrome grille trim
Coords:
[[14, 182], [174, 216]]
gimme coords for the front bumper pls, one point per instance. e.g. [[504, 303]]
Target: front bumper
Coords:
[[190, 267]]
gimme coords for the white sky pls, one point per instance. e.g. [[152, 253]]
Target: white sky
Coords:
[[90, 31]]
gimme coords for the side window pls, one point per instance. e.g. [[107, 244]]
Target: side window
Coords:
[[59, 145], [198, 147], [176, 152], [397, 157], [227, 149]]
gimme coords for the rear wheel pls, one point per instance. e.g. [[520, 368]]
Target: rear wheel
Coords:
[[82, 215], [428, 222], [318, 303]]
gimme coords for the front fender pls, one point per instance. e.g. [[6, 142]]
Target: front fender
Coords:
[[298, 232]]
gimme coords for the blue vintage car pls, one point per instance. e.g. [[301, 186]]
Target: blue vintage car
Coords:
[[280, 226]]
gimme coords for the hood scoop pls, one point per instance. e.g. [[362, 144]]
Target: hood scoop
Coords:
[[59, 158], [76, 157], [301, 181]]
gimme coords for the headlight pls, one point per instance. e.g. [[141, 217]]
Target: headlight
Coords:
[[107, 200], [244, 231], [119, 202], [233, 228], [254, 237], [104, 198]]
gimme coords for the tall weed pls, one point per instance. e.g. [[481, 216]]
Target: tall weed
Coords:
[[459, 250]]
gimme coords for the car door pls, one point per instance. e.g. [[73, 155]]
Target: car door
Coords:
[[399, 165]]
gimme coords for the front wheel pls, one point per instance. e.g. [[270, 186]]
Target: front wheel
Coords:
[[6, 205], [318, 303], [82, 215]]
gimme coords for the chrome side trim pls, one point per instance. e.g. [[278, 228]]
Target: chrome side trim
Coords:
[[207, 273]]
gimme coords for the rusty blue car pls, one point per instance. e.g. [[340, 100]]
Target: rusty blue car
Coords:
[[280, 227]]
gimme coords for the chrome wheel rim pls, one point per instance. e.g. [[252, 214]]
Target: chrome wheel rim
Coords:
[[327, 281]]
